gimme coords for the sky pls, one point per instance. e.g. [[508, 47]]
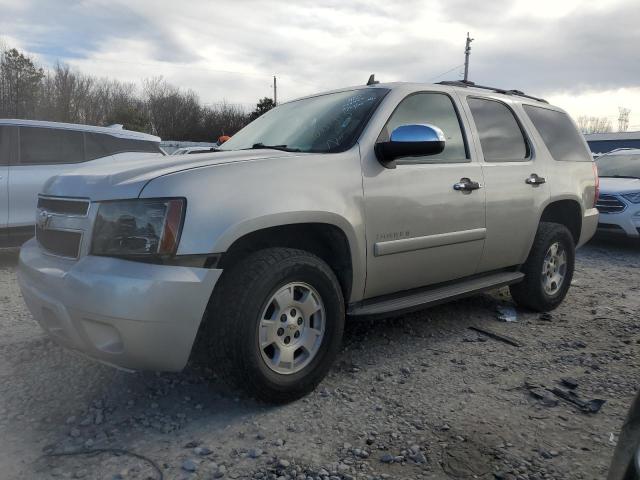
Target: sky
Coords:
[[580, 55]]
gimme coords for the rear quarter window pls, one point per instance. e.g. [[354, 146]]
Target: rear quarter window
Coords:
[[559, 134], [5, 151], [101, 145]]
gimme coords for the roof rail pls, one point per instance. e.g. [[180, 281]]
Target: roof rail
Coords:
[[467, 83]]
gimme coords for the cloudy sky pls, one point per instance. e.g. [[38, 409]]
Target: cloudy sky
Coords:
[[580, 54]]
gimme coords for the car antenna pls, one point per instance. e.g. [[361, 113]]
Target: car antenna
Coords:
[[372, 79]]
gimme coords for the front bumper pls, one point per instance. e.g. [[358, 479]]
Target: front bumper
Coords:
[[626, 222], [132, 315]]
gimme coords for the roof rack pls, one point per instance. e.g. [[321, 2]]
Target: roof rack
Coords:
[[467, 83]]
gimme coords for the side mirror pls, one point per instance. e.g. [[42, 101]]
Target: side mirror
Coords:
[[410, 141]]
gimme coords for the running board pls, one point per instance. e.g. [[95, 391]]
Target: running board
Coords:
[[434, 295]]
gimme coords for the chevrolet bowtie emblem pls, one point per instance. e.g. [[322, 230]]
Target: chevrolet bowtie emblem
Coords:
[[44, 218]]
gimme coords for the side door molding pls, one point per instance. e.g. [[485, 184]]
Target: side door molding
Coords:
[[429, 241]]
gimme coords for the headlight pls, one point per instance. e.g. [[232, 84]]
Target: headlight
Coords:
[[633, 197], [142, 227]]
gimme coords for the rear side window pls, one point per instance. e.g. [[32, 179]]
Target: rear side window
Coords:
[[559, 134], [5, 151], [500, 134], [46, 146], [435, 109], [101, 145]]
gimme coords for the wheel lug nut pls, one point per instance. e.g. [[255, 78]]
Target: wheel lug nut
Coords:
[[293, 312], [283, 318], [300, 320], [287, 340], [280, 331], [296, 335]]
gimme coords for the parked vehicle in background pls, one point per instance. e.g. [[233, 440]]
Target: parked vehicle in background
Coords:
[[32, 151], [619, 202], [601, 143], [360, 202], [189, 150]]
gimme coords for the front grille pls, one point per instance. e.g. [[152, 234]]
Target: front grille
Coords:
[[610, 204], [64, 206], [610, 228], [60, 242]]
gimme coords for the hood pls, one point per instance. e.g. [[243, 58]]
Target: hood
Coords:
[[118, 178], [619, 185]]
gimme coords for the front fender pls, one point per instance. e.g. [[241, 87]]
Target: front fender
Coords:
[[227, 202]]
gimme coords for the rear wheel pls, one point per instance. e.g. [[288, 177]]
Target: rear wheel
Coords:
[[548, 270], [277, 323]]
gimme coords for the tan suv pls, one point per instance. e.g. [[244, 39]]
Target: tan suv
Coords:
[[361, 201]]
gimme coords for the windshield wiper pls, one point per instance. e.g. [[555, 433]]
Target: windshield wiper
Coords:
[[283, 148]]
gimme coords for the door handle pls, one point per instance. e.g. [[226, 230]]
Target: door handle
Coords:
[[466, 185], [534, 180]]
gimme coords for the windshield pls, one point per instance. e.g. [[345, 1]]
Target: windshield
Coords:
[[326, 123], [619, 166]]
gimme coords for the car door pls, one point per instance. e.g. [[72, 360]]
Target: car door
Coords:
[[42, 154], [514, 179], [5, 154], [419, 229]]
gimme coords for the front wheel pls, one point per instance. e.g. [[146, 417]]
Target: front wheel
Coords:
[[548, 270], [277, 323]]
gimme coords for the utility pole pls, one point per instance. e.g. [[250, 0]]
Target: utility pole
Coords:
[[623, 119], [467, 52], [275, 91]]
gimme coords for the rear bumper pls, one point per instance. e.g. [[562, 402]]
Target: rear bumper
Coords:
[[132, 315], [589, 226]]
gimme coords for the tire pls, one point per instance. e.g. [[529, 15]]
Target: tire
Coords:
[[237, 328], [531, 292]]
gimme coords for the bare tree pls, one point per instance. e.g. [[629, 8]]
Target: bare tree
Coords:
[[221, 119], [67, 95], [588, 124]]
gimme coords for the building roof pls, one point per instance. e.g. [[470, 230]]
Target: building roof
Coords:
[[612, 136]]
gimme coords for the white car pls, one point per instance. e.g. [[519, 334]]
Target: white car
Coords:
[[32, 151], [619, 201]]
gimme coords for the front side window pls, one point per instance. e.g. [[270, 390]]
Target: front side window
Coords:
[[435, 109], [325, 123], [48, 146], [561, 137], [500, 135]]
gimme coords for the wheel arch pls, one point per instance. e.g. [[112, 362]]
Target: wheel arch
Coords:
[[321, 235], [567, 212]]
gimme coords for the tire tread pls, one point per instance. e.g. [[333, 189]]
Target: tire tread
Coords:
[[529, 292], [225, 311]]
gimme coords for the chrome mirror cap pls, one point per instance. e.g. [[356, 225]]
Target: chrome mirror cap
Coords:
[[414, 140], [417, 133]]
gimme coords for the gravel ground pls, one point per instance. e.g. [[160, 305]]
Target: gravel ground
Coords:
[[415, 396]]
